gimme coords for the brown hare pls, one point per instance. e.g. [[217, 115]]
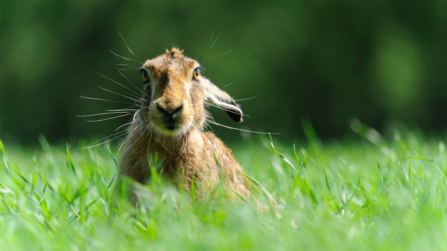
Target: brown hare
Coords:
[[170, 123]]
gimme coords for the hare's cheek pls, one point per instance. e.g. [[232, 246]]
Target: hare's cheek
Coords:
[[148, 92], [195, 94], [196, 101], [188, 112]]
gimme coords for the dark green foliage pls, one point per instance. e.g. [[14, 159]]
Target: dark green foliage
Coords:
[[330, 61]]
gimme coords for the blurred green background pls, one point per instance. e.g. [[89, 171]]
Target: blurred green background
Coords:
[[379, 61]]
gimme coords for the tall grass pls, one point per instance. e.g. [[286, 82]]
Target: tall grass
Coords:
[[364, 194]]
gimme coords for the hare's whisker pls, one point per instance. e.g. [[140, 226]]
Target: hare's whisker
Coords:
[[98, 114], [183, 139], [212, 35], [115, 134], [119, 94], [100, 99], [134, 96], [118, 134], [242, 130], [215, 40], [248, 98], [127, 45], [227, 85], [128, 137], [148, 147], [99, 120], [117, 83], [226, 110], [206, 126], [122, 110], [159, 141], [225, 53], [129, 59], [123, 125], [133, 84], [210, 46], [178, 141]]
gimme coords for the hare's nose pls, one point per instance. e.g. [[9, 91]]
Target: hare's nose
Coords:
[[169, 113]]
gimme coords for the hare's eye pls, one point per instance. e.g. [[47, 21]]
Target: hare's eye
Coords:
[[145, 76], [196, 74]]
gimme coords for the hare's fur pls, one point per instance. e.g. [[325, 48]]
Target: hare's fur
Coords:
[[170, 124]]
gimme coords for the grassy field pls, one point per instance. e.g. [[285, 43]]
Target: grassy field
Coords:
[[361, 194]]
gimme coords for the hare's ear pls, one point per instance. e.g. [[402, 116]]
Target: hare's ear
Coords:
[[221, 99]]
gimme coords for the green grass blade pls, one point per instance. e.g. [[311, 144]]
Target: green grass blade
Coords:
[[218, 166], [327, 182], [296, 182], [2, 150], [257, 184], [240, 196], [380, 171], [310, 191], [70, 161], [193, 192], [280, 155]]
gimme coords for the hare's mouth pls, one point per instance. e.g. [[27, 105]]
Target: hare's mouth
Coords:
[[170, 121], [170, 124]]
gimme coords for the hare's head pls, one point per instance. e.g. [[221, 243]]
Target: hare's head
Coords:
[[176, 94]]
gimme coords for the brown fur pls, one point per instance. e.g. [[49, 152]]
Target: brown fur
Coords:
[[187, 151]]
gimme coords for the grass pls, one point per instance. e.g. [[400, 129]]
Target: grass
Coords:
[[363, 194]]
